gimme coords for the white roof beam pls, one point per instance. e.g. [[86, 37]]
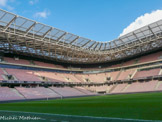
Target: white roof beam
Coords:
[[136, 37], [121, 41], [74, 40], [6, 27], [3, 15], [40, 29], [151, 30], [96, 45], [105, 46], [27, 31], [91, 45], [86, 43], [22, 24], [47, 32], [61, 36], [69, 38], [100, 46], [115, 43]]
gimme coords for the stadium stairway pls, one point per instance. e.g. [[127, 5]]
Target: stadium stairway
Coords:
[[4, 71], [55, 92], [118, 74], [160, 73], [112, 88], [158, 84], [8, 94], [39, 76], [124, 89], [84, 91], [80, 79], [18, 93], [119, 88], [134, 73], [37, 92], [81, 90], [67, 91]]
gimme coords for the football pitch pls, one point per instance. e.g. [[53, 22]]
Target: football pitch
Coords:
[[141, 107]]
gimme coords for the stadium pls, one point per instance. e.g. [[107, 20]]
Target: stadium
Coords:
[[47, 74]]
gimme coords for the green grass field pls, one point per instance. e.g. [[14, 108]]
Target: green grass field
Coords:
[[145, 106]]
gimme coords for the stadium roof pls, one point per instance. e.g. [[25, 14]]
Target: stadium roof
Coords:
[[28, 37]]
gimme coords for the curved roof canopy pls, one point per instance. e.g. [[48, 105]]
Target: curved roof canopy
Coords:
[[31, 37]]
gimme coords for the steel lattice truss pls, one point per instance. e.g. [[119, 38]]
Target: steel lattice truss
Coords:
[[27, 37]]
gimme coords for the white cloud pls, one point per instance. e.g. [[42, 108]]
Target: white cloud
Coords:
[[42, 14], [5, 4], [32, 2], [10, 8], [143, 20]]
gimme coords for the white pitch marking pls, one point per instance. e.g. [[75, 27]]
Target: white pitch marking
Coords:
[[108, 118]]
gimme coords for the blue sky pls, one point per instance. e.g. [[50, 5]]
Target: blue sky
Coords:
[[100, 20]]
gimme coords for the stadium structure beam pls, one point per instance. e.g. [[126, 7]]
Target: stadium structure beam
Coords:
[[91, 45], [74, 40], [47, 32], [68, 39], [105, 46], [22, 24], [61, 36], [40, 29], [86, 43], [96, 45], [151, 30], [115, 43], [10, 43], [136, 37], [3, 15], [121, 40], [100, 46], [6, 27], [27, 31], [110, 45], [80, 52]]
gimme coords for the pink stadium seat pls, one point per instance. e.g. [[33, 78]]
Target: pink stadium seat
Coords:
[[38, 92], [23, 75], [147, 73], [126, 74], [9, 94], [52, 76], [85, 91], [26, 62], [20, 61], [150, 57], [131, 62], [1, 73], [80, 77], [142, 87], [119, 88], [160, 86], [47, 64], [71, 77], [114, 66], [97, 77], [67, 91], [101, 88], [114, 75]]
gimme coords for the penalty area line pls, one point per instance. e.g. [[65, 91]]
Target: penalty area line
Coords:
[[78, 116]]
